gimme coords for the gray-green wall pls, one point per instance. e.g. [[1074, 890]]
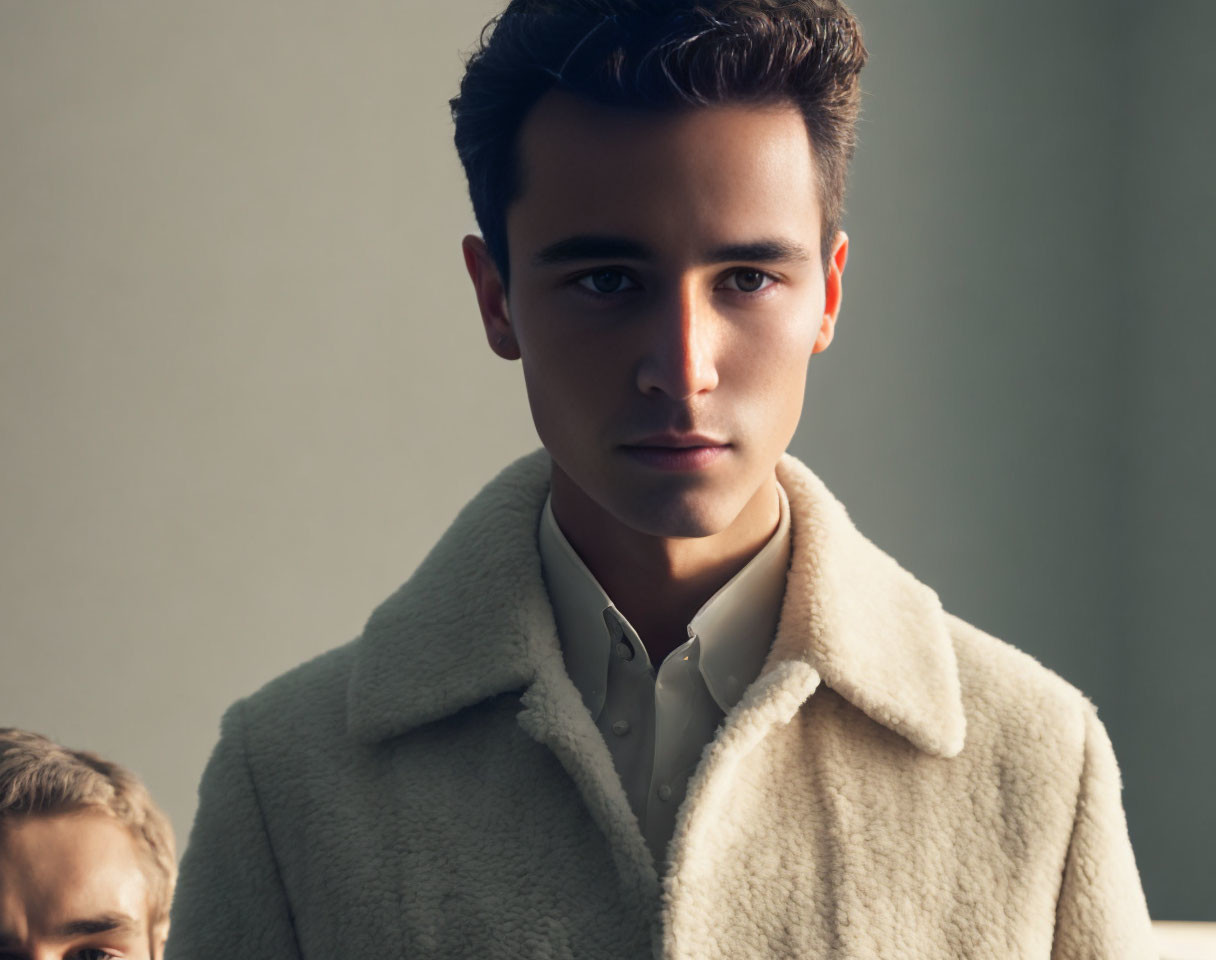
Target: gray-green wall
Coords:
[[1021, 401]]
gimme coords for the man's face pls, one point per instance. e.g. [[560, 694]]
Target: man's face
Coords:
[[666, 278], [72, 888]]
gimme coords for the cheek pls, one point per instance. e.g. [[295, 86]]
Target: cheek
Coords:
[[771, 354], [769, 371], [563, 393], [567, 373]]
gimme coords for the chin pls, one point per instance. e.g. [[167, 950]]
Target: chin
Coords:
[[680, 512]]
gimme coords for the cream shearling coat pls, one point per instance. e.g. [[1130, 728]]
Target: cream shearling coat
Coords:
[[895, 784]]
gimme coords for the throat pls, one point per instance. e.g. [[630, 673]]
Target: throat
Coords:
[[661, 636]]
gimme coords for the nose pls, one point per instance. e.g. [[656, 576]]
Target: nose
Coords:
[[679, 353]]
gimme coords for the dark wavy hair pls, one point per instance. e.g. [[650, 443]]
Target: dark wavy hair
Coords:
[[658, 55]]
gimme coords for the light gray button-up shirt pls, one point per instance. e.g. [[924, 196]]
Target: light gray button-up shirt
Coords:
[[657, 724]]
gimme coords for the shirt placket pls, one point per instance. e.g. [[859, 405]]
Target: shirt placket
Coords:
[[685, 719], [627, 718]]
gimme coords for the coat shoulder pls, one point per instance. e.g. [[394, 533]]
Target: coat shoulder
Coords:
[[1012, 699], [307, 704]]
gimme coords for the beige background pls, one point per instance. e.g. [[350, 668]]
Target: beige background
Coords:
[[243, 386]]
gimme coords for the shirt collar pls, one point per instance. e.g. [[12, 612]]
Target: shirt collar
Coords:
[[474, 621], [734, 627]]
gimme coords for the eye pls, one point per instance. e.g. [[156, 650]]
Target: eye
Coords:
[[605, 282], [92, 953], [748, 280]]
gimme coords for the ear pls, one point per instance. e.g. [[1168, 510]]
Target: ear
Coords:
[[833, 287], [491, 297], [159, 934]]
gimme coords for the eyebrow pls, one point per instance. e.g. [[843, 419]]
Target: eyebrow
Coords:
[[609, 247], [103, 923]]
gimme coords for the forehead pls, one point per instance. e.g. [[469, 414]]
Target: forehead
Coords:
[[56, 869], [710, 174]]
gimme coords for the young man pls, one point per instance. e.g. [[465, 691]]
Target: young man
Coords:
[[652, 694], [87, 862]]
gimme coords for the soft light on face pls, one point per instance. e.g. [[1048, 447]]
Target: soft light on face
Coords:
[[72, 888], [666, 277]]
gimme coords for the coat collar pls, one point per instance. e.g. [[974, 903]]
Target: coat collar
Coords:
[[474, 620], [734, 627]]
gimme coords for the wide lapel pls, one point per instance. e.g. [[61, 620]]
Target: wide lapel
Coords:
[[475, 621], [854, 620], [873, 632]]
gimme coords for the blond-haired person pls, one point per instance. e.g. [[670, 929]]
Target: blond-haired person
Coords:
[[87, 861]]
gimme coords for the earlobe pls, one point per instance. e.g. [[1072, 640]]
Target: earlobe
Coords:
[[160, 936], [827, 329]]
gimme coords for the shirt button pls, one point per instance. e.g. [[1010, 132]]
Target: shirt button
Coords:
[[664, 792], [624, 651], [620, 728]]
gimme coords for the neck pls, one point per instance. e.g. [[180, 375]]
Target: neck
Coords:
[[659, 583]]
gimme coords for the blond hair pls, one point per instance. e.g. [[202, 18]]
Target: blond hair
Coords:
[[39, 777]]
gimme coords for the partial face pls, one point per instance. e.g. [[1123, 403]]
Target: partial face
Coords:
[[666, 278], [72, 888]]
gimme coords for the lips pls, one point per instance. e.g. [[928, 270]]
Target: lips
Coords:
[[677, 441], [698, 456]]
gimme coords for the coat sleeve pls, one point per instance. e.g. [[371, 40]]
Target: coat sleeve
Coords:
[[230, 900], [1101, 913]]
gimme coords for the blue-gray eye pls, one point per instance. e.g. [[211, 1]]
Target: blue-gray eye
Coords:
[[750, 281], [606, 281]]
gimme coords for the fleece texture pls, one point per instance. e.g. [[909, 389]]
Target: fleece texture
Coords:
[[895, 784]]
